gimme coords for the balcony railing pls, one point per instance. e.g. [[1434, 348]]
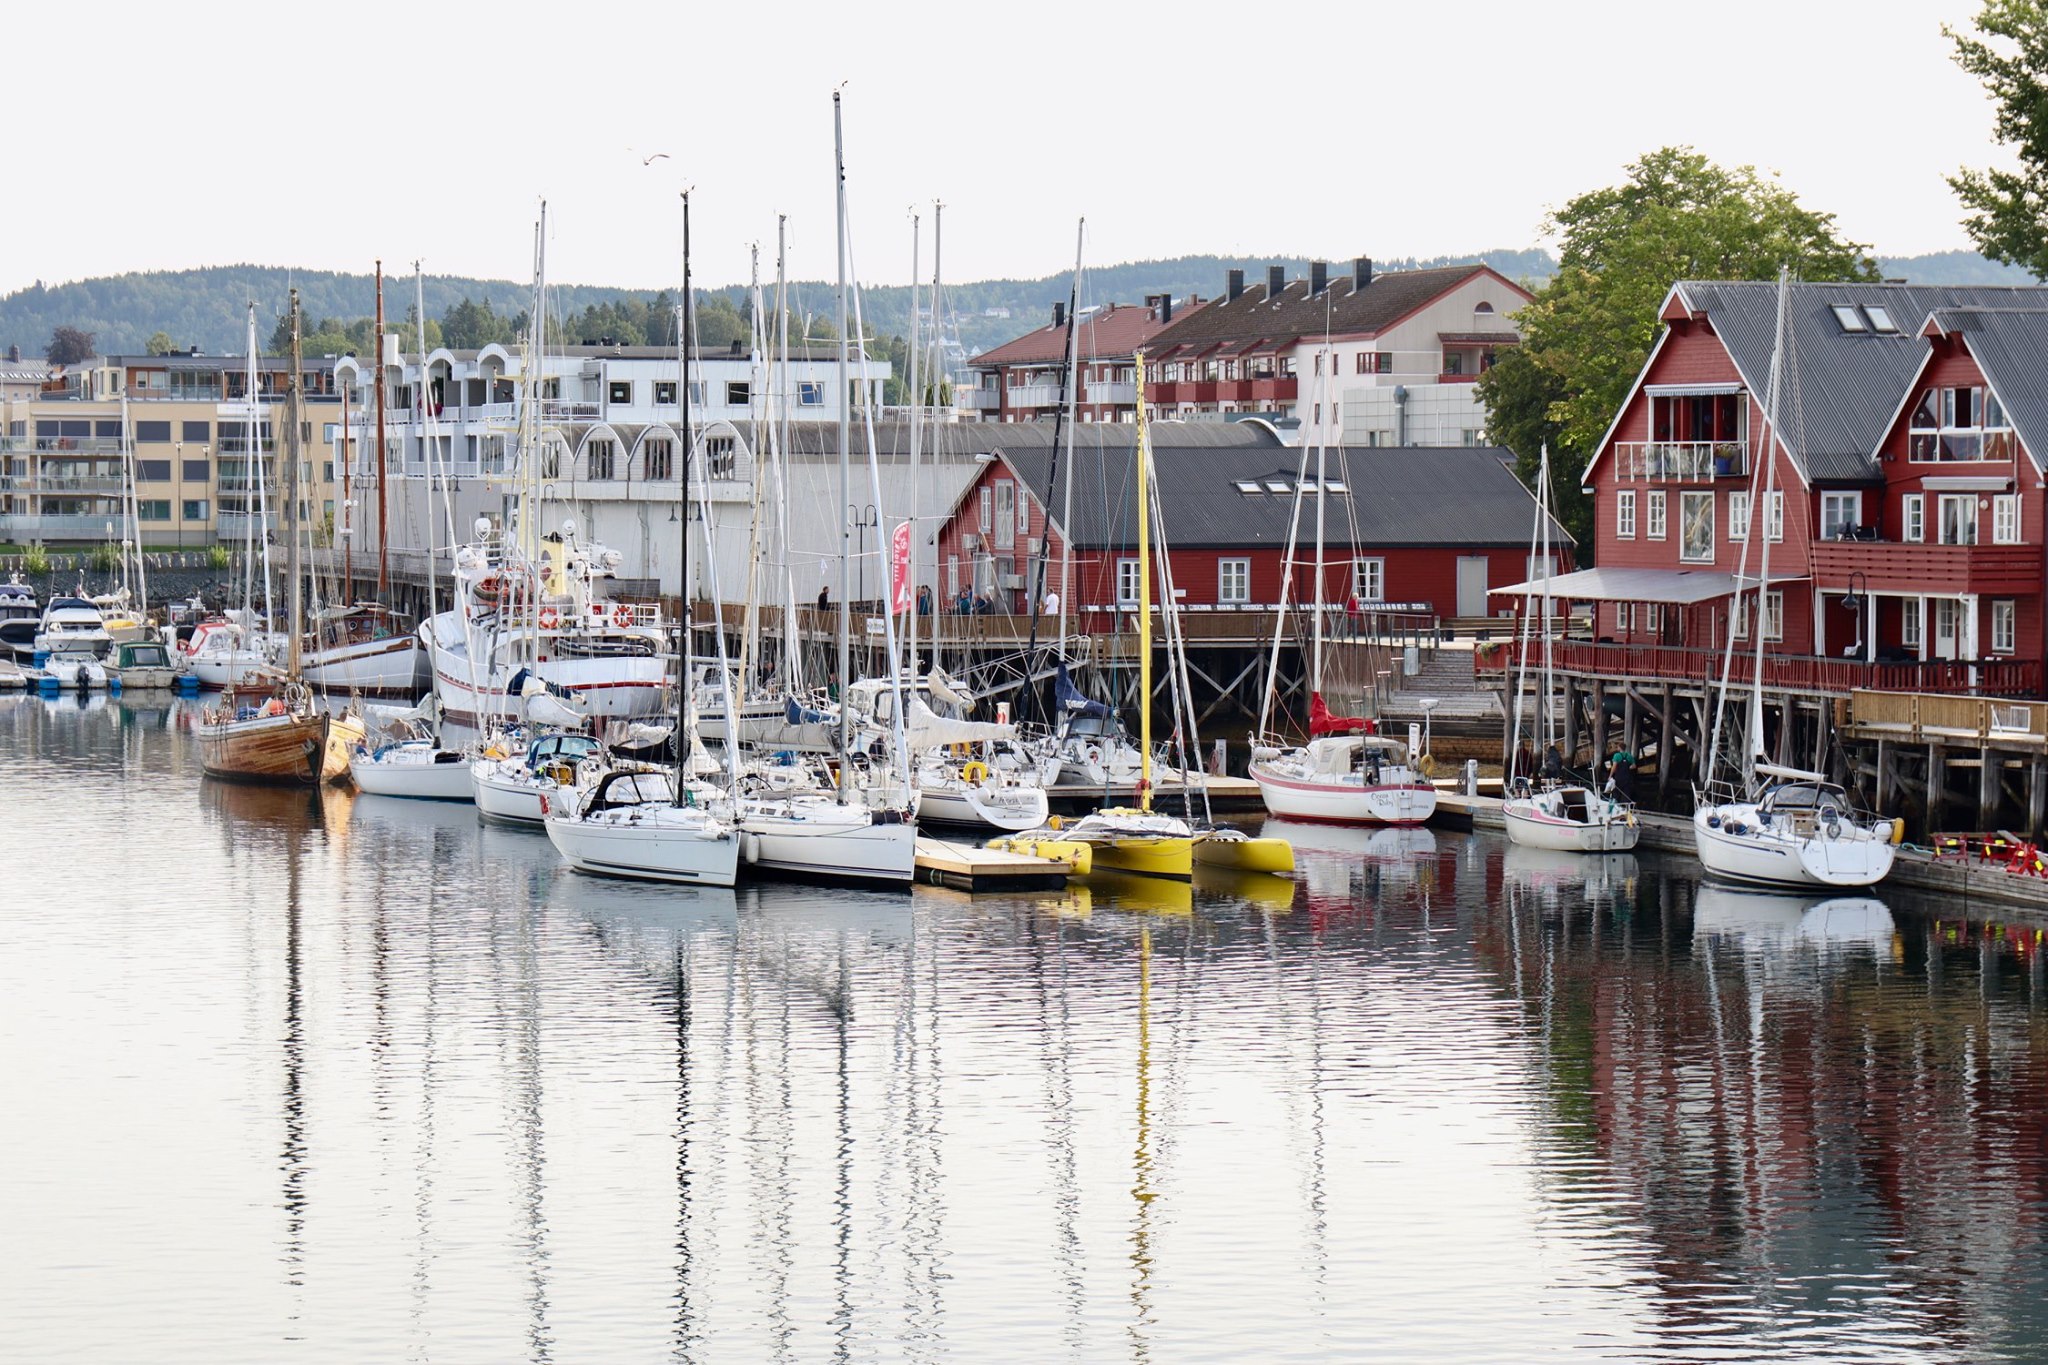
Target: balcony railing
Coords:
[[1891, 566], [980, 400], [68, 484], [23, 527], [1680, 461], [1113, 393], [1784, 672], [1035, 396]]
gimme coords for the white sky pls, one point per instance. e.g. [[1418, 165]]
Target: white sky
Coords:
[[1331, 130]]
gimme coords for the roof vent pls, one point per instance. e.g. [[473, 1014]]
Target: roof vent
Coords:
[[1318, 277]]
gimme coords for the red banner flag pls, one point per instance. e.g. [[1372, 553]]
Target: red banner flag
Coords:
[[899, 569]]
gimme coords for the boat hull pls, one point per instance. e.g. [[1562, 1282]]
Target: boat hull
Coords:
[[1780, 860], [1532, 826], [602, 687], [1008, 810], [647, 852], [1343, 803], [423, 781], [509, 800], [1234, 854], [289, 750], [393, 664], [824, 845], [1168, 856]]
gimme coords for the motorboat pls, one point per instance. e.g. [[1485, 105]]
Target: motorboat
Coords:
[[629, 823], [223, 651], [1799, 831], [20, 618], [1570, 817], [519, 619], [139, 665], [1359, 778], [70, 625], [418, 767], [363, 648], [510, 783], [73, 670]]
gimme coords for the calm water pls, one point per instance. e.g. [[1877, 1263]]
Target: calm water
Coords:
[[294, 1078]]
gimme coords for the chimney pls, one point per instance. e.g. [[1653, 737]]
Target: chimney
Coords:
[[1059, 314], [1233, 286], [1361, 273], [1165, 308], [13, 354], [1318, 277], [1276, 281]]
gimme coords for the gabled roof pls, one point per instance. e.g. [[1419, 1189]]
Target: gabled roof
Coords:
[[1342, 307], [1395, 495], [2009, 345], [1846, 384], [1116, 330]]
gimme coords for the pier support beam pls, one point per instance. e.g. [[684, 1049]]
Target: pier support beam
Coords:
[[1988, 765], [1937, 782]]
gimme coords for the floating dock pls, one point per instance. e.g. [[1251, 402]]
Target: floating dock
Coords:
[[1225, 793], [962, 866]]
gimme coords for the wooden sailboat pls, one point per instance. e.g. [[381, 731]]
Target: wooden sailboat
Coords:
[[290, 739]]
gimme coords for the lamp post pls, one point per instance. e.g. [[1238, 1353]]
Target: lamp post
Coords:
[[1853, 602], [864, 520]]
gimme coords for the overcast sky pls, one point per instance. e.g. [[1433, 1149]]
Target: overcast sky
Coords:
[[324, 136]]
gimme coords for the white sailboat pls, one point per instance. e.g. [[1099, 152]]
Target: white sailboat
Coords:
[[1782, 827], [1347, 772], [651, 826], [1562, 813]]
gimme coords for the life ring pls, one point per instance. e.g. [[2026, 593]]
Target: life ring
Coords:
[[622, 616], [975, 773], [1093, 754], [549, 618]]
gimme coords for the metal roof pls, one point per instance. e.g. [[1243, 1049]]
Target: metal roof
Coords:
[[1844, 386], [1394, 496], [1682, 586]]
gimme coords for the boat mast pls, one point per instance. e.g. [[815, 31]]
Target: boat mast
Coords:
[[916, 409], [683, 529], [1070, 384], [1536, 536], [845, 467], [253, 443], [1067, 498], [348, 507], [383, 466], [291, 498], [1144, 603], [792, 631], [430, 432]]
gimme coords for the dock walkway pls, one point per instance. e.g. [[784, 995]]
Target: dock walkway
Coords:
[[964, 867]]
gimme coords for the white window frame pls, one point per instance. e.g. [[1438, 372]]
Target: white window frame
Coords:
[[1127, 582], [1738, 517], [2005, 519], [1006, 514], [1774, 617], [1687, 501], [1909, 622], [2004, 625], [1913, 518], [1653, 617], [1233, 581], [1832, 505], [1369, 580], [1955, 500], [1625, 514], [1653, 515], [1774, 516], [986, 505]]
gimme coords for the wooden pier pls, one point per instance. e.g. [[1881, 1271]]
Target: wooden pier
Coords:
[[964, 867]]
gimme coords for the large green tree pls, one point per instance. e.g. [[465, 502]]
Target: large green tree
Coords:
[[1677, 216], [2006, 211]]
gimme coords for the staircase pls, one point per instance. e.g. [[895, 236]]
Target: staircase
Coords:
[[1461, 707]]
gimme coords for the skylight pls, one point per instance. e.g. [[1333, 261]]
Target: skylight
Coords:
[[1277, 486], [1332, 486], [1247, 485], [1880, 319], [1851, 320]]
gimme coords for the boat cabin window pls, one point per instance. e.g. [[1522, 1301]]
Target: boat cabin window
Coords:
[[1801, 796], [148, 656], [571, 747], [1091, 727]]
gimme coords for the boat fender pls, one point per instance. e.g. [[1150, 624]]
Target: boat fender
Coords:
[[1736, 827], [1055, 823], [1898, 829], [1713, 822], [975, 773], [750, 847]]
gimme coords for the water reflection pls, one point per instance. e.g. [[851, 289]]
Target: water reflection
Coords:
[[384, 1082]]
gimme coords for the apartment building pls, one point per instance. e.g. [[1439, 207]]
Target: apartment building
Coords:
[[1025, 379]]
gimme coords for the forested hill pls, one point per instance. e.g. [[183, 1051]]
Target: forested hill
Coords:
[[207, 307]]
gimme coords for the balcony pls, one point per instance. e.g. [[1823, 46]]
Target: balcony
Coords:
[[1680, 461], [1126, 394], [24, 527], [1921, 569], [71, 485], [1034, 396], [2003, 677], [979, 400], [1265, 389]]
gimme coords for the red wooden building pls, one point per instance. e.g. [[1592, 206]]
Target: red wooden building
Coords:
[[1904, 508], [1421, 529]]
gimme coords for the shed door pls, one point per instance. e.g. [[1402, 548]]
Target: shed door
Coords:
[[1472, 585]]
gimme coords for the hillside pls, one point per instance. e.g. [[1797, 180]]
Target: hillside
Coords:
[[205, 307]]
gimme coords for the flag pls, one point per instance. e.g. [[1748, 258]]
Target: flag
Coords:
[[899, 569]]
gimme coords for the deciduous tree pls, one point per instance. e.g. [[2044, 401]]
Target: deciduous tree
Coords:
[[68, 346], [2006, 211]]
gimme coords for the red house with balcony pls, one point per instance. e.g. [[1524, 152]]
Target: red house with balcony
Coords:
[[1900, 501], [1025, 379], [1422, 530]]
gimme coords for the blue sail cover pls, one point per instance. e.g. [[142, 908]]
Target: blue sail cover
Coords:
[[798, 715], [1070, 699]]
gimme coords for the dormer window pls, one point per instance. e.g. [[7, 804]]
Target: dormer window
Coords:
[[1849, 318], [1880, 319]]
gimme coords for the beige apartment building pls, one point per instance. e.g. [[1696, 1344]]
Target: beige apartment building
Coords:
[[184, 428]]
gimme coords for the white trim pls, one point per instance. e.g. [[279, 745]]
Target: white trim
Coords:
[[1693, 390], [1964, 483], [1607, 439]]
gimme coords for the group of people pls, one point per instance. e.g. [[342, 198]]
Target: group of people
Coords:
[[1617, 775]]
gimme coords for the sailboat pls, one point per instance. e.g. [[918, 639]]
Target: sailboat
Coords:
[[291, 738], [238, 649], [1783, 826], [1128, 839], [1556, 813], [644, 825], [1348, 772]]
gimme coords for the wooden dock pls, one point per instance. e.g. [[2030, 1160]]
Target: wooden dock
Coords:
[[964, 867], [1225, 793]]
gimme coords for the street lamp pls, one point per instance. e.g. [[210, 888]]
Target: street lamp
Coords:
[[1852, 601], [864, 520]]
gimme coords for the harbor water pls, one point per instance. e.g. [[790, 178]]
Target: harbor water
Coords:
[[298, 1077]]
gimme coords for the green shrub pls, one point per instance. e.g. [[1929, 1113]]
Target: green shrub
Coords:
[[104, 558], [217, 558], [36, 561]]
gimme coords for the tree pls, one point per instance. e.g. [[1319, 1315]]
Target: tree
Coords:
[[160, 343], [68, 346], [1678, 216], [2006, 212]]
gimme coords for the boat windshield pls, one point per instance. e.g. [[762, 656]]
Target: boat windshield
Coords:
[[1802, 796], [571, 747], [1091, 727]]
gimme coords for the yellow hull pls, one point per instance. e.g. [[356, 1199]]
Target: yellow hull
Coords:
[[1141, 895], [1165, 856], [1246, 855]]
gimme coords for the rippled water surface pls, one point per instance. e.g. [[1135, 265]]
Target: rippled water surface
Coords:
[[340, 1078]]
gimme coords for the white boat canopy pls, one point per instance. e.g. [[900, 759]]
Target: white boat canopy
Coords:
[[1682, 586]]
